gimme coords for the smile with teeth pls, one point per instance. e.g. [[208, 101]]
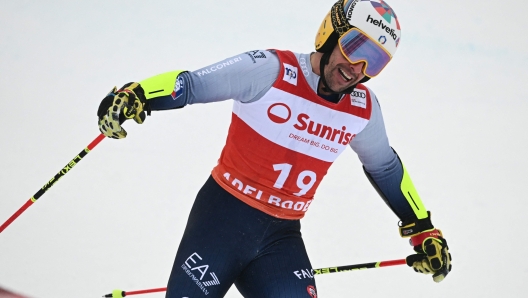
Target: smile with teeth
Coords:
[[344, 75]]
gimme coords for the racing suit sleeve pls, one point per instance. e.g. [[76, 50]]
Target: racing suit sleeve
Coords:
[[384, 169], [245, 78]]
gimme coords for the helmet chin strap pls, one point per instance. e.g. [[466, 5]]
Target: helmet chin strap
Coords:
[[324, 61]]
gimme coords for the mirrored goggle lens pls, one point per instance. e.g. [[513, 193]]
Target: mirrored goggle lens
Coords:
[[358, 47]]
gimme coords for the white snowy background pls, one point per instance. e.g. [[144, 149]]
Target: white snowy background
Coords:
[[454, 101]]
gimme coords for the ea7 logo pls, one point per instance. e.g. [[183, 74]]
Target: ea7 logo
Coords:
[[290, 74], [193, 264]]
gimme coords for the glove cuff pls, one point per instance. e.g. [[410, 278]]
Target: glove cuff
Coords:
[[417, 240], [416, 226]]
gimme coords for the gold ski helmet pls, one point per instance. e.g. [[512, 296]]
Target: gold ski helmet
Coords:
[[365, 30]]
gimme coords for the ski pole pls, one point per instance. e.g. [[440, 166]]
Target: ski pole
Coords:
[[53, 180], [359, 266], [121, 294]]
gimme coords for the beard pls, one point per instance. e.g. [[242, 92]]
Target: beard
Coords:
[[340, 80]]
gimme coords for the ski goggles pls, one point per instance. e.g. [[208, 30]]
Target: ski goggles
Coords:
[[357, 47]]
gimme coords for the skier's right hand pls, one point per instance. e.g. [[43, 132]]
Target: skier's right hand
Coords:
[[129, 102]]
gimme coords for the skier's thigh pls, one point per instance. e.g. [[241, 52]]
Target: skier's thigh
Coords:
[[282, 271], [202, 271]]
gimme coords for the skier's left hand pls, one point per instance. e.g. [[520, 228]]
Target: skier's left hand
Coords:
[[432, 256], [432, 253]]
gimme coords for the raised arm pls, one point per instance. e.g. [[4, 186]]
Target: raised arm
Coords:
[[245, 78]]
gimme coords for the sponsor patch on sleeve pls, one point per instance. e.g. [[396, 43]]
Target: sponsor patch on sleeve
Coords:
[[290, 74], [178, 88], [358, 98], [254, 55]]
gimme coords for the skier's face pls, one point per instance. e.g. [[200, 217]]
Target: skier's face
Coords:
[[340, 74]]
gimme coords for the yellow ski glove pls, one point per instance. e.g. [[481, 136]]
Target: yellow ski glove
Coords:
[[129, 102], [432, 253]]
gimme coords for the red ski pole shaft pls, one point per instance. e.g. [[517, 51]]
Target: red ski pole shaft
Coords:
[[120, 294], [53, 180]]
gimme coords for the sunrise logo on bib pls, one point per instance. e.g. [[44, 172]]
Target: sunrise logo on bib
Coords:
[[279, 113]]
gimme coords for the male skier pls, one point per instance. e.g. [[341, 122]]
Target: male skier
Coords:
[[293, 114]]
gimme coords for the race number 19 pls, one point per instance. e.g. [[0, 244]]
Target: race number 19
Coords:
[[285, 169]]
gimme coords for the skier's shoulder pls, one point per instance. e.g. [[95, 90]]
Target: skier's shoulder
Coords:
[[363, 88], [366, 93], [261, 56], [273, 58], [301, 58]]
